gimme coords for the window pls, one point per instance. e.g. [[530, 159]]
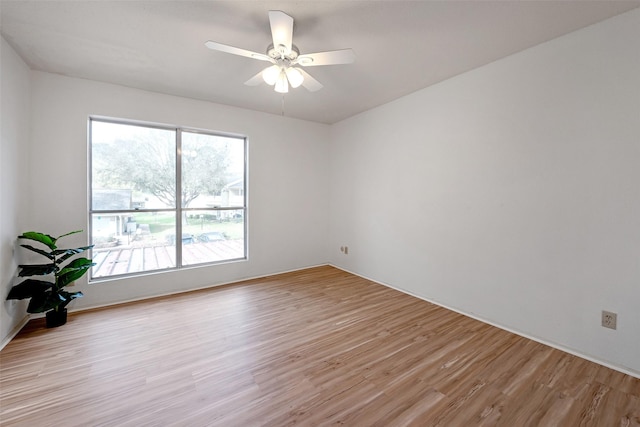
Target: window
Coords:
[[164, 197]]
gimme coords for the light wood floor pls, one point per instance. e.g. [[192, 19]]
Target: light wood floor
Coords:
[[315, 347]]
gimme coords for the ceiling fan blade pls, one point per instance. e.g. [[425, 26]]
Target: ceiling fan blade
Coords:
[[236, 51], [281, 30], [309, 82], [255, 80], [334, 57]]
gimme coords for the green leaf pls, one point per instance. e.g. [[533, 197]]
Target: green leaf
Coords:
[[39, 251], [41, 303], [40, 237], [36, 269], [78, 262], [73, 271], [72, 275], [68, 234], [67, 297], [29, 289], [67, 253]]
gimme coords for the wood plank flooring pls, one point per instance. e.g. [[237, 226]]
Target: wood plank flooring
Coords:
[[313, 348]]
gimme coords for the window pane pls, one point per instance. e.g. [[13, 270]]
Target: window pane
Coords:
[[127, 242], [134, 206], [210, 236], [212, 171], [133, 167]]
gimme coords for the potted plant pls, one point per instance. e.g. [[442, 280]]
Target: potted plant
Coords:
[[49, 295]]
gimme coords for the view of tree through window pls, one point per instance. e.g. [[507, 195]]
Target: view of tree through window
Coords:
[[150, 184]]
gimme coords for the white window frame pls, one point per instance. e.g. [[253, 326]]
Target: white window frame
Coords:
[[179, 209]]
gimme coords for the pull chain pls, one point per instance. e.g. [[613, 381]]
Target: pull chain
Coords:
[[283, 105]]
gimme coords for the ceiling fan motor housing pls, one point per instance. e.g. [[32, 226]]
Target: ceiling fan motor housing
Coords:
[[280, 52]]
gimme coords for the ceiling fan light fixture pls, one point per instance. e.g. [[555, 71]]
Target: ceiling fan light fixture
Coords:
[[295, 77], [282, 84], [270, 74]]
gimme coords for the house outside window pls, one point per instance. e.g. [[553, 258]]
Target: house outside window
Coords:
[[164, 197]]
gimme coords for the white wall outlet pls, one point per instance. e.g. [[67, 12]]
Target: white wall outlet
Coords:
[[609, 319], [344, 249]]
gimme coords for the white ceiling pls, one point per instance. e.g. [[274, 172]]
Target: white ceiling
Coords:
[[401, 46]]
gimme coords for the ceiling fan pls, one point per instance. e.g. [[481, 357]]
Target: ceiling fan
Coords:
[[285, 57]]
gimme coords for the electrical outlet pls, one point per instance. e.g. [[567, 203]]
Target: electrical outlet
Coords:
[[609, 319], [346, 250]]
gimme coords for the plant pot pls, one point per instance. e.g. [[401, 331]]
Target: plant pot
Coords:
[[56, 318]]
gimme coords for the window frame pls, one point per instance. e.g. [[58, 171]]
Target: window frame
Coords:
[[178, 210]]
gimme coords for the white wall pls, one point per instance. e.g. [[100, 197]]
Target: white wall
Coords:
[[14, 173], [288, 179], [510, 193]]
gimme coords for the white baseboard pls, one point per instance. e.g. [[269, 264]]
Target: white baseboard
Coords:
[[211, 286]]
